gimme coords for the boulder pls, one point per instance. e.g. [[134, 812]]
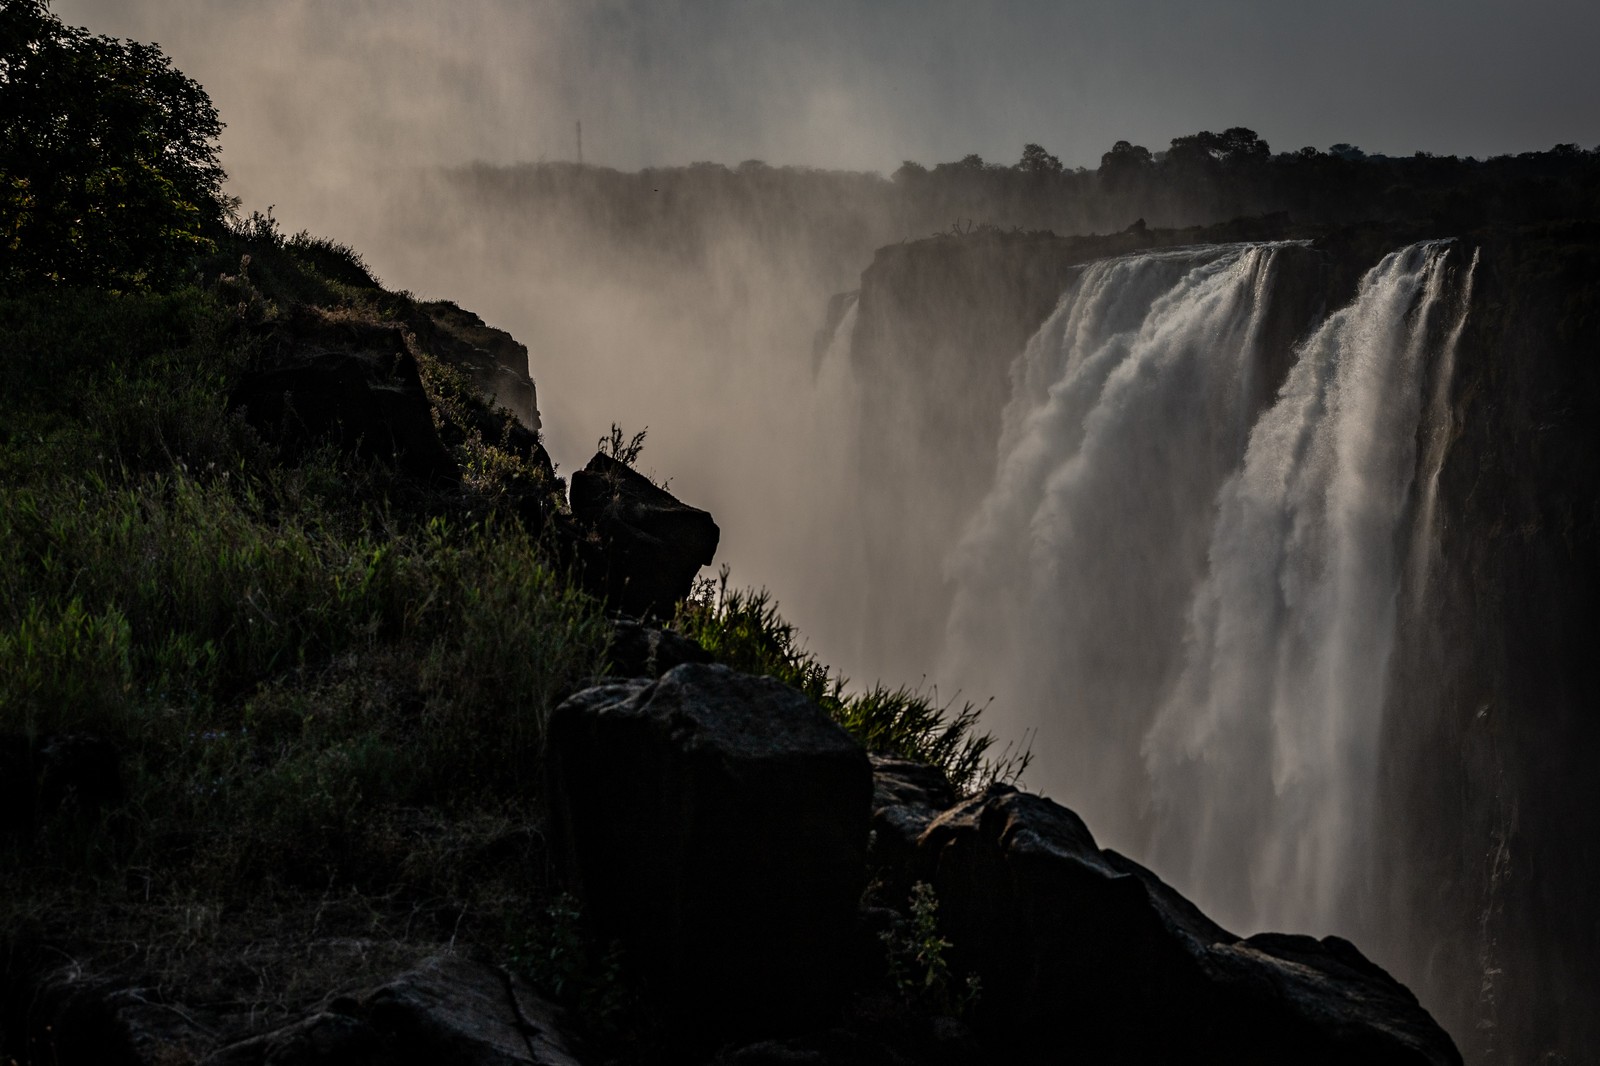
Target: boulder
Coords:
[[906, 799], [716, 823], [354, 383], [639, 650], [455, 1010], [1085, 949], [639, 545]]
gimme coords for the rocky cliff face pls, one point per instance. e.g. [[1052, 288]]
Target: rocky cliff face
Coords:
[[495, 361], [1493, 735], [1486, 872]]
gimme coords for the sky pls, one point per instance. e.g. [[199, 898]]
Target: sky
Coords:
[[308, 86]]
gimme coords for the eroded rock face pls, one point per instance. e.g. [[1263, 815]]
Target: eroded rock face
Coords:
[[496, 361], [907, 797], [350, 382], [1085, 949], [640, 546], [716, 823]]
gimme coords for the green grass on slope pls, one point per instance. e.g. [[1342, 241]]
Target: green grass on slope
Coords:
[[743, 629]]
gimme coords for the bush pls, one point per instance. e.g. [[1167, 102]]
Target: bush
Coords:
[[110, 159], [918, 967], [293, 269]]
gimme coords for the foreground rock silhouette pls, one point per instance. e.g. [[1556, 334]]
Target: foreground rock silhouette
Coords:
[[717, 823], [442, 1010], [1059, 929], [639, 545], [714, 821]]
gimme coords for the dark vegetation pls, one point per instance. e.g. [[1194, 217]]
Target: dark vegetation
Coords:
[[262, 687], [109, 154], [1204, 178], [260, 690]]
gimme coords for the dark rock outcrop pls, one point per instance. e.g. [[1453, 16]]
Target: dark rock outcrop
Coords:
[[717, 824], [1083, 948], [354, 383], [640, 547], [496, 362], [1492, 734], [906, 799], [639, 650], [445, 1010]]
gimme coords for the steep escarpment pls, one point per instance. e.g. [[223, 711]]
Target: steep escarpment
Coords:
[[1468, 803], [1493, 735]]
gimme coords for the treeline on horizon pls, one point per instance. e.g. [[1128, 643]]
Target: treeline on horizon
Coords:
[[1199, 179]]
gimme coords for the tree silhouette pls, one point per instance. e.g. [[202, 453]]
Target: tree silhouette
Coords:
[[1035, 160], [108, 158]]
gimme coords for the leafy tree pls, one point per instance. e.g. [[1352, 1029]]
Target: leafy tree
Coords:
[[1230, 146], [1035, 160], [1125, 156], [1124, 166], [108, 158], [972, 163], [910, 171]]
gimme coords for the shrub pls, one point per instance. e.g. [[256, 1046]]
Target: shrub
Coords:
[[918, 967]]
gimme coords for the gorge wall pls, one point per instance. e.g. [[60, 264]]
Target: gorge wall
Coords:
[[1286, 566]]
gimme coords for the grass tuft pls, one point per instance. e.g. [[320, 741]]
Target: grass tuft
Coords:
[[743, 629]]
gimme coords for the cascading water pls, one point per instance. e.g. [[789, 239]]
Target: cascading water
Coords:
[[1130, 407], [1264, 757], [1186, 589]]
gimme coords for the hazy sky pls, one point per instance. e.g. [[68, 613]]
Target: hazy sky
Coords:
[[863, 84]]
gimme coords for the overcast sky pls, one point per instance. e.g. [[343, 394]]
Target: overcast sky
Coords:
[[308, 86]]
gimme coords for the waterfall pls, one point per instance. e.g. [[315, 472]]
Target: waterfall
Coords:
[[1129, 408], [1264, 757], [1187, 586], [835, 402], [1439, 429]]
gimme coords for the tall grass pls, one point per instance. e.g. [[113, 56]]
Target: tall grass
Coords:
[[272, 679], [743, 629]]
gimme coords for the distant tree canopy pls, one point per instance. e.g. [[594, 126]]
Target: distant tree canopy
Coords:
[[837, 218], [1230, 146], [108, 158], [1035, 160]]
